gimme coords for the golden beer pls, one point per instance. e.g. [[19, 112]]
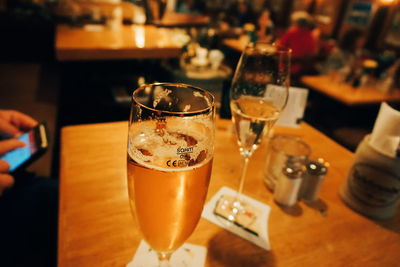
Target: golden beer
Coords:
[[168, 176], [168, 203]]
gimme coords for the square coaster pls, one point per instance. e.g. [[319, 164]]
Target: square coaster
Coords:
[[187, 255], [255, 231]]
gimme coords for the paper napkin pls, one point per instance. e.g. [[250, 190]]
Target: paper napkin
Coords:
[[260, 223]]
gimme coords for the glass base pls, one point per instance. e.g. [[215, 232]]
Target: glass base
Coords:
[[186, 255], [164, 259]]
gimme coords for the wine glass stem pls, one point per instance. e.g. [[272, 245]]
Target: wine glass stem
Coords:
[[242, 177], [163, 259]]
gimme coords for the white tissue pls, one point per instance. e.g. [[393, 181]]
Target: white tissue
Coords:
[[216, 58], [201, 57], [385, 136]]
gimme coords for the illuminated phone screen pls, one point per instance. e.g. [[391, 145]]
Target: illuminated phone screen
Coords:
[[18, 156]]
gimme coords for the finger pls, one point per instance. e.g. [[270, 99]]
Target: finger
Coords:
[[6, 181], [8, 129], [4, 166], [10, 144], [22, 121]]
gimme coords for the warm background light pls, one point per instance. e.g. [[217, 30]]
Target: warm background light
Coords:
[[387, 2]]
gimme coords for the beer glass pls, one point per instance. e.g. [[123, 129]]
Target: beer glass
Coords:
[[170, 154], [259, 93]]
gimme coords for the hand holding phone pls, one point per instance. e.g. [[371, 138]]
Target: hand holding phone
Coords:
[[21, 156], [13, 122], [6, 180]]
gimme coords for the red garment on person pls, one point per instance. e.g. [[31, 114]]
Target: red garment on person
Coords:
[[302, 43]]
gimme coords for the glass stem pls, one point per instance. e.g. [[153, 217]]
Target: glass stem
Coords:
[[242, 177], [163, 259]]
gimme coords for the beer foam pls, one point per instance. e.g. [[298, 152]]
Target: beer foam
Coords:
[[183, 144], [198, 94], [159, 94]]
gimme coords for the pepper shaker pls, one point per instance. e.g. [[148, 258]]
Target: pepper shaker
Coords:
[[313, 178]]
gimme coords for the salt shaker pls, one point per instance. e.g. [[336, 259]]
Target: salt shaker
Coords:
[[288, 185], [313, 178]]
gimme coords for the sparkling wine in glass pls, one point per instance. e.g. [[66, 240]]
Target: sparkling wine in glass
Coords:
[[170, 153], [258, 94]]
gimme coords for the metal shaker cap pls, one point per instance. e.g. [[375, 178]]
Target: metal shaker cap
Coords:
[[318, 167], [293, 172]]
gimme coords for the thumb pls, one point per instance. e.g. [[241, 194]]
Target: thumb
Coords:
[[7, 128], [10, 144], [6, 181]]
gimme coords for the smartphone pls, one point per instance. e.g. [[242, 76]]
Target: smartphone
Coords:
[[36, 145]]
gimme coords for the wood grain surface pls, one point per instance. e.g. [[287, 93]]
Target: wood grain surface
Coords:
[[172, 19], [128, 42], [348, 94], [96, 227]]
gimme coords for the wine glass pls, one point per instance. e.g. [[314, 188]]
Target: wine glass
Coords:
[[170, 154], [258, 94]]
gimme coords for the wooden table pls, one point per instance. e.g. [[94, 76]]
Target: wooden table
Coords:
[[97, 229], [172, 19], [238, 44], [129, 42], [347, 94]]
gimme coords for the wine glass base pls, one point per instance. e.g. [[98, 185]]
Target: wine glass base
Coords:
[[186, 255]]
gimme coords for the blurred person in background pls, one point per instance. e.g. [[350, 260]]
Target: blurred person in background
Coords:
[[265, 27], [346, 53], [28, 204], [240, 13], [191, 6], [299, 38]]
